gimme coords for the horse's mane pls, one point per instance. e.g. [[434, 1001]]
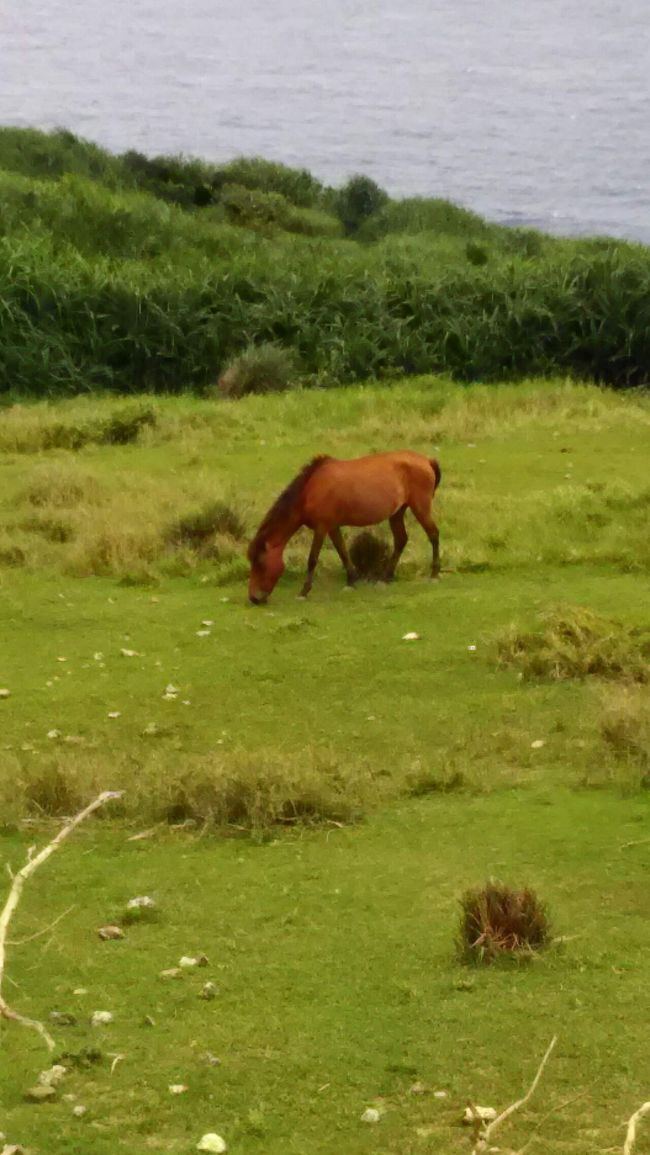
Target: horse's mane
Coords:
[[283, 506]]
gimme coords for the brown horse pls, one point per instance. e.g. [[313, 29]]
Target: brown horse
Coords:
[[329, 493]]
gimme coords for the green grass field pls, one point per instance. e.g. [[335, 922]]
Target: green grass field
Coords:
[[320, 792]]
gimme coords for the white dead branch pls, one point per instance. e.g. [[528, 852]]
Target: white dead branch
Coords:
[[484, 1132], [630, 1138], [15, 891]]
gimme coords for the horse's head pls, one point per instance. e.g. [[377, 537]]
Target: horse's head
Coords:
[[267, 567]]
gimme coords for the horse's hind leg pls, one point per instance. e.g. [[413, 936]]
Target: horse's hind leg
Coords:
[[422, 512], [400, 538], [314, 553], [336, 538]]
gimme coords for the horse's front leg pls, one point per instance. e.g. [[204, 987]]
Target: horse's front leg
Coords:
[[336, 537], [314, 554]]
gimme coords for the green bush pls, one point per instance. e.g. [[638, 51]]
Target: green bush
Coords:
[[357, 201], [113, 288], [260, 369]]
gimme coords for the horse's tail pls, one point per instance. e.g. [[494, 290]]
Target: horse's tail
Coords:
[[437, 472]]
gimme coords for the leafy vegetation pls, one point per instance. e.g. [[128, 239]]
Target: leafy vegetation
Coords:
[[133, 274]]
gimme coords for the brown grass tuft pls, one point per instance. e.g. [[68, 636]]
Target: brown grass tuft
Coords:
[[576, 643], [497, 920], [370, 556], [197, 530]]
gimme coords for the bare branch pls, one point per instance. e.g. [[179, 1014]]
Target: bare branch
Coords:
[[18, 881], [630, 1138], [487, 1131]]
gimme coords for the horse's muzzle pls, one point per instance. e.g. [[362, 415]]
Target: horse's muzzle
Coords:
[[259, 600]]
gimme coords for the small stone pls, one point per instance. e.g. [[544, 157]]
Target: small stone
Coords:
[[207, 623], [53, 1077], [148, 1021], [101, 1018], [5, 693], [109, 933], [79, 1111], [61, 659], [203, 633], [142, 901], [171, 973], [212, 1060], [208, 992], [481, 1114], [417, 1089], [52, 734], [537, 744], [99, 657], [171, 689], [150, 729], [188, 962], [80, 991], [129, 653], [212, 1143], [177, 1089], [370, 1115], [411, 637], [472, 649], [63, 1018], [114, 714], [440, 1094], [40, 1094]]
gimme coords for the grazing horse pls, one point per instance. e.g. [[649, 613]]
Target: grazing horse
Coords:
[[327, 494]]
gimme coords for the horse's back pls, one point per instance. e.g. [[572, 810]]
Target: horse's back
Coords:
[[366, 490]]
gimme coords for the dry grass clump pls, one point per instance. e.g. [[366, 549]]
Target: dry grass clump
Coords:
[[497, 920], [573, 642], [369, 555], [625, 726], [35, 429], [198, 529], [244, 790], [61, 486]]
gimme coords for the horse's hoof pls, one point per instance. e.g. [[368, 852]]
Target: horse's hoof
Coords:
[[301, 598]]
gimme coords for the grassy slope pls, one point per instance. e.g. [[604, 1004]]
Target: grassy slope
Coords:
[[333, 950]]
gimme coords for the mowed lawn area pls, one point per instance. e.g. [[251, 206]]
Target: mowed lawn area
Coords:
[[318, 792]]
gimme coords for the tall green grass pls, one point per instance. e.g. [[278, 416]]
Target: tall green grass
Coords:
[[104, 286]]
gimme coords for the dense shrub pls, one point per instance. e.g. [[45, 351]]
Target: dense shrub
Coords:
[[116, 289], [357, 201], [260, 369]]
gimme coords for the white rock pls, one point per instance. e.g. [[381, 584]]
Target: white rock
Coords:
[[142, 900], [537, 744], [412, 637], [79, 991], [203, 633], [129, 653], [212, 1143], [99, 657], [370, 1115], [53, 1077], [101, 1018], [114, 714], [186, 961], [177, 1088], [207, 623], [472, 649], [5, 693], [79, 1111], [484, 1114], [172, 689], [440, 1094], [52, 734]]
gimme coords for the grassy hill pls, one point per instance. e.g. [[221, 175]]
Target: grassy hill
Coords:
[[134, 274]]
